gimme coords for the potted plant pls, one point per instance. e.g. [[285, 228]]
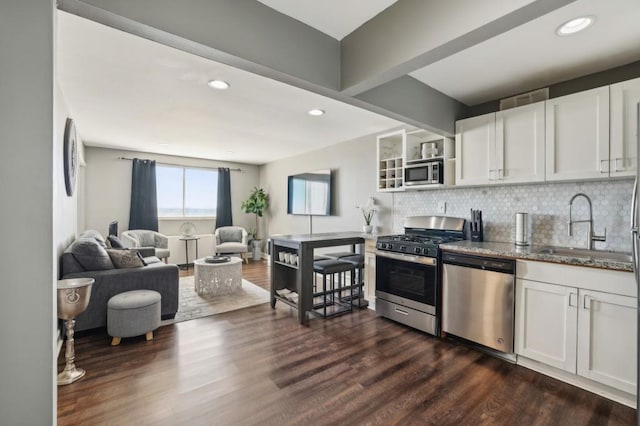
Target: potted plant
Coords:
[[368, 211], [256, 204]]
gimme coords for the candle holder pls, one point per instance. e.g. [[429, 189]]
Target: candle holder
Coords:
[[73, 298]]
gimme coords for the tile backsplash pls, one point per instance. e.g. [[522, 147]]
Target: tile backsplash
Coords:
[[547, 205]]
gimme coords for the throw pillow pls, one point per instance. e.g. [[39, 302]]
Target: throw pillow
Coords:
[[230, 235], [115, 242], [125, 258], [91, 255]]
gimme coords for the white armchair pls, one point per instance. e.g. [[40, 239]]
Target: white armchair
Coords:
[[232, 240], [142, 238]]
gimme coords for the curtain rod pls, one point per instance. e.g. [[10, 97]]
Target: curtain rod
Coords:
[[179, 165]]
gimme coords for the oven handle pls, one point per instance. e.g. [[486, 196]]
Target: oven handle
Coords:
[[407, 258]]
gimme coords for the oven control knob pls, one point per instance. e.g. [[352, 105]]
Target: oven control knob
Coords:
[[417, 250], [403, 248]]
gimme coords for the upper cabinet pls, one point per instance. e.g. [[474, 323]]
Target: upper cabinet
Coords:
[[502, 147], [475, 145], [577, 136], [415, 159], [390, 154], [623, 146]]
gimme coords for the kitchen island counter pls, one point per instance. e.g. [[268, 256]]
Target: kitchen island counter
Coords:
[[510, 250], [297, 276]]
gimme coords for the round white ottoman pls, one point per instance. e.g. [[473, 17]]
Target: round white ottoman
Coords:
[[133, 313]]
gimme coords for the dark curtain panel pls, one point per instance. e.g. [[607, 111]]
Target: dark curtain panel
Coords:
[[144, 202], [223, 217]]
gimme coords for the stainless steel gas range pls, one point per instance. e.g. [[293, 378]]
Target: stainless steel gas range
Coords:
[[408, 271]]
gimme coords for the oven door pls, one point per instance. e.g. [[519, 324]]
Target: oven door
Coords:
[[406, 276]]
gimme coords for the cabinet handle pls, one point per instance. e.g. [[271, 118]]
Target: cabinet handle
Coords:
[[615, 167], [573, 303], [586, 303], [490, 176], [501, 174], [400, 311]]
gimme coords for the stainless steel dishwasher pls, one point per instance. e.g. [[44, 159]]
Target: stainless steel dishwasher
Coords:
[[478, 299]]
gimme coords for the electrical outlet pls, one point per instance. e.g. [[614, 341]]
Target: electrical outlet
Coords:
[[442, 207]]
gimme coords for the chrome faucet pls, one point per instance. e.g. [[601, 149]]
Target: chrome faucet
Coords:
[[591, 237]]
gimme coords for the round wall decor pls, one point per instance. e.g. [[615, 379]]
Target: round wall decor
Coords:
[[70, 156]]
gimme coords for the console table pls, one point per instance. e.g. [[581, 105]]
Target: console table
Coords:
[[299, 277]]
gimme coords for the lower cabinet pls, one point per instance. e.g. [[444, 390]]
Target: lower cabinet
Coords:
[[370, 272], [547, 323], [607, 339], [582, 331]]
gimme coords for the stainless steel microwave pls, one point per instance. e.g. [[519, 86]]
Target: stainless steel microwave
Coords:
[[424, 173]]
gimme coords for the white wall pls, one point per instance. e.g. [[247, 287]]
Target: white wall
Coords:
[[28, 188], [108, 189], [353, 165]]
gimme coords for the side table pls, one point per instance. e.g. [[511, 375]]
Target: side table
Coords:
[[217, 279], [186, 248]]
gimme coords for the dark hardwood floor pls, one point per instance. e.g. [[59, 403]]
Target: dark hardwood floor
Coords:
[[259, 366]]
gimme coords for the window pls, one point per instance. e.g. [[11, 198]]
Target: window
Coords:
[[186, 192]]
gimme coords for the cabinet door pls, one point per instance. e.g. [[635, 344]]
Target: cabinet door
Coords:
[[475, 147], [520, 144], [607, 339], [624, 127], [577, 135], [546, 323]]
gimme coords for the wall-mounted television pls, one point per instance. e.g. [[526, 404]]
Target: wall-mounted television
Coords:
[[310, 193]]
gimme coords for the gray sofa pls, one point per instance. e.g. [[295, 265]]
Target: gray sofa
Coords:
[[87, 256]]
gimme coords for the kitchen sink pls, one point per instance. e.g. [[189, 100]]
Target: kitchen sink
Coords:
[[585, 253]]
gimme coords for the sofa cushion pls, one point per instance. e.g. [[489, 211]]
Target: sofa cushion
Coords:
[[230, 235], [232, 248], [115, 242], [125, 258], [90, 233], [91, 255]]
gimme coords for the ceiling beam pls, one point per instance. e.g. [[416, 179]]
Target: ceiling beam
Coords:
[[420, 104], [244, 34], [412, 34]]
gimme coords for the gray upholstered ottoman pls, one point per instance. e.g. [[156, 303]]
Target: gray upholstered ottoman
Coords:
[[133, 313]]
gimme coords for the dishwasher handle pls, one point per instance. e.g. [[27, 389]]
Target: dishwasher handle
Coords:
[[506, 266]]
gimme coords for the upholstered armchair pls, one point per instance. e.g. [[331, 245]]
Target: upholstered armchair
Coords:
[[142, 238], [232, 240]]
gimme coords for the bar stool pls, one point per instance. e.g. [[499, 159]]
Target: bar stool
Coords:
[[357, 279], [332, 268], [339, 254]]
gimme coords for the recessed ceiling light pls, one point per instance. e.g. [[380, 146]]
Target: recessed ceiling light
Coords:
[[218, 84], [163, 144], [316, 112], [231, 152], [575, 25]]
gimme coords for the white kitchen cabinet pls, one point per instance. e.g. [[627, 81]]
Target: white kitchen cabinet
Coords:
[[475, 144], [370, 272], [607, 339], [502, 147], [520, 144], [565, 320], [577, 136], [625, 97], [546, 323], [390, 154]]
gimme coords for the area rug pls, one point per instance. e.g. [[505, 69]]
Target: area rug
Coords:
[[192, 306]]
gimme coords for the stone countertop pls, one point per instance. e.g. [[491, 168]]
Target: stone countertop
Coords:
[[530, 253], [321, 236]]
